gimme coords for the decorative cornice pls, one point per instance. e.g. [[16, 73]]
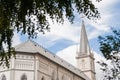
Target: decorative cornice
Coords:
[[85, 56], [89, 71]]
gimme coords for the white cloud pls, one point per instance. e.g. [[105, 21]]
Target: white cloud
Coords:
[[61, 31], [104, 3], [66, 31], [16, 39], [72, 32], [69, 55], [105, 8]]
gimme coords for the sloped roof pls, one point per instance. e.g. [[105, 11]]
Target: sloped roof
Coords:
[[29, 47], [32, 47]]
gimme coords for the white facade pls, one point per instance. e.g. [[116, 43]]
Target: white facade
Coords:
[[33, 62]]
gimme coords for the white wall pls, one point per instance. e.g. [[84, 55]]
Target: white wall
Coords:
[[6, 73]]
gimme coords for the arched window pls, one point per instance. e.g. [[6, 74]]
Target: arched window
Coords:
[[43, 78], [53, 75], [3, 77], [24, 77], [83, 64], [63, 77]]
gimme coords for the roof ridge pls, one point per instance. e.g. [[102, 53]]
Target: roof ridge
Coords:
[[18, 46], [36, 44]]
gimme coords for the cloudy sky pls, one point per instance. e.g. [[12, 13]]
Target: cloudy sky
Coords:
[[63, 38]]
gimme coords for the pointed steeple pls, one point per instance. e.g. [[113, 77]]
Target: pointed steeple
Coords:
[[84, 45], [85, 59]]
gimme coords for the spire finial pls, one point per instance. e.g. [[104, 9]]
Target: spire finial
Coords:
[[82, 17]]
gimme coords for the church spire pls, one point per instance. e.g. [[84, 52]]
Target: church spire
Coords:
[[85, 59], [84, 45]]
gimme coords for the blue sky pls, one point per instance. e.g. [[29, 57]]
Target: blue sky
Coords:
[[62, 39], [64, 35]]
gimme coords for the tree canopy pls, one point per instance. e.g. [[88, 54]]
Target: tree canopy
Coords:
[[110, 44], [110, 47], [30, 17]]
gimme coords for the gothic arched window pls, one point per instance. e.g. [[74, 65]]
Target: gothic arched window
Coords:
[[3, 77], [24, 77], [43, 78]]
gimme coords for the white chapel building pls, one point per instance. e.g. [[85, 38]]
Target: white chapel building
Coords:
[[33, 62]]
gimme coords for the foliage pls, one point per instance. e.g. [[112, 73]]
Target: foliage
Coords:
[[110, 47], [30, 17]]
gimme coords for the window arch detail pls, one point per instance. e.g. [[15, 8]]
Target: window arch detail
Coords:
[[43, 78], [24, 77], [3, 77]]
